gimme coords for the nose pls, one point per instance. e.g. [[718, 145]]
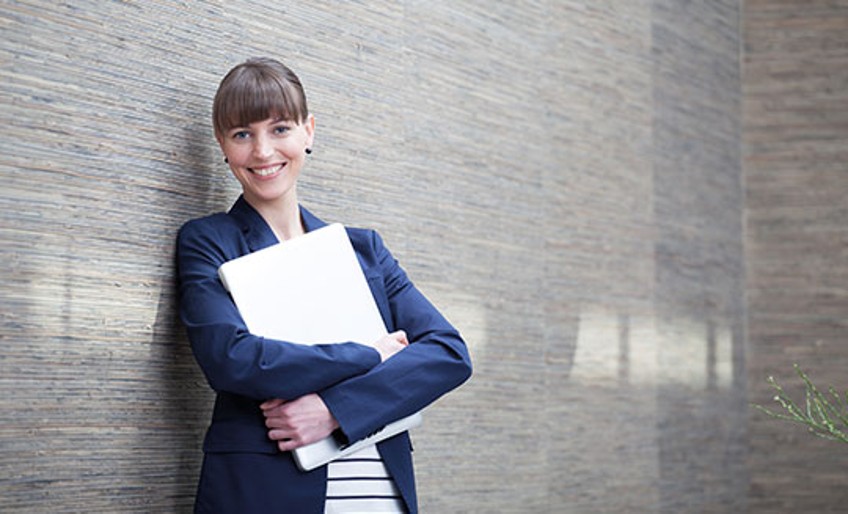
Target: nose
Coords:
[[262, 147]]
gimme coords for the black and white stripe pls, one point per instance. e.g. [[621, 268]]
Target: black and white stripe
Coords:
[[360, 483]]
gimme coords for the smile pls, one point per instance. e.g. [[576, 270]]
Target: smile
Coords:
[[268, 170]]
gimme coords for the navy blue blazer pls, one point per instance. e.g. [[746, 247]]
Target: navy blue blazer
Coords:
[[244, 471]]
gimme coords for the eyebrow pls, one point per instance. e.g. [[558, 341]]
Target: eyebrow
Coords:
[[274, 121]]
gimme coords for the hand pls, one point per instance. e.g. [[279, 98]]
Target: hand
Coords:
[[298, 422], [390, 344]]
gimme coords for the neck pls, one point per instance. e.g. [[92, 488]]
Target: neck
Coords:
[[283, 216]]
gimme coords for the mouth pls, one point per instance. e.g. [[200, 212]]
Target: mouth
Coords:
[[267, 171]]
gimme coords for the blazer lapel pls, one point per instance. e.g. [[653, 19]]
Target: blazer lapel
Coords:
[[255, 230], [257, 233], [310, 221]]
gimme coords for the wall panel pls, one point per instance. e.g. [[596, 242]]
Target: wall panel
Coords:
[[796, 175], [562, 178]]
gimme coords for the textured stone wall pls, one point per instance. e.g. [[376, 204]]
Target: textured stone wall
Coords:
[[562, 178], [796, 176]]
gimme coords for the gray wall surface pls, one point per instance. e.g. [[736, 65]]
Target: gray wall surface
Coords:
[[564, 179], [796, 176]]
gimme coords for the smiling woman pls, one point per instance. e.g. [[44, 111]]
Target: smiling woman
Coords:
[[275, 396], [264, 128]]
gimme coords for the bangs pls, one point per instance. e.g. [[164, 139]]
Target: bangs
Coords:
[[252, 94]]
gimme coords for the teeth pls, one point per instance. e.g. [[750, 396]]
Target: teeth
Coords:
[[264, 172]]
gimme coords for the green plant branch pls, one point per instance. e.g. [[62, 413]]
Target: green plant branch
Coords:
[[825, 415]]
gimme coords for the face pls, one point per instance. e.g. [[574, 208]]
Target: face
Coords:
[[266, 157]]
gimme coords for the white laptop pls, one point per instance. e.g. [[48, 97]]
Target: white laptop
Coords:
[[310, 290]]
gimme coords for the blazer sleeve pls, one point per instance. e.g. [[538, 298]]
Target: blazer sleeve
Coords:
[[435, 362], [234, 360]]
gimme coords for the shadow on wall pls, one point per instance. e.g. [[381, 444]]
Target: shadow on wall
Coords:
[[186, 397]]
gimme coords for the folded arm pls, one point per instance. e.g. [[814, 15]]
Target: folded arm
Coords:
[[435, 362], [307, 419]]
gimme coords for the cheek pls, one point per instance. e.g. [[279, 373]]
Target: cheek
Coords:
[[236, 155], [293, 148], [240, 175]]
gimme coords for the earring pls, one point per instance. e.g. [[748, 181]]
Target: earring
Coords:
[[226, 160], [308, 151]]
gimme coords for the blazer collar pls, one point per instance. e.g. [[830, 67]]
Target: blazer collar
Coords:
[[256, 230]]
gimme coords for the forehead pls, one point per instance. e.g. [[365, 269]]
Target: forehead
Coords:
[[257, 99]]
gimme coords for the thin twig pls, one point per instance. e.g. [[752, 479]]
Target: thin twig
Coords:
[[821, 417]]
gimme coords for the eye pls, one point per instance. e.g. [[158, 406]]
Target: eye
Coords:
[[281, 129], [240, 134]]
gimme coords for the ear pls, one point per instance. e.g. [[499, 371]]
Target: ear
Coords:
[[220, 139], [309, 125]]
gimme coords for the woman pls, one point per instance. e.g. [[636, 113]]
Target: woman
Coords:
[[275, 396]]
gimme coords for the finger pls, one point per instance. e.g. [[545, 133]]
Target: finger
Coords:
[[277, 422], [275, 412], [400, 336], [286, 445], [280, 434], [271, 404]]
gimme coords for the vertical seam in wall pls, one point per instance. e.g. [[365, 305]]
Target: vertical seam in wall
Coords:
[[743, 187]]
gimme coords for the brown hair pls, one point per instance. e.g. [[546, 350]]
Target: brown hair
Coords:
[[255, 90]]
